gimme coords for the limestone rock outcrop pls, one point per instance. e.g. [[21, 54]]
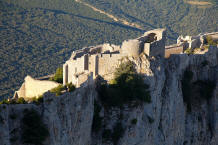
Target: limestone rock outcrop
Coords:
[[166, 121], [68, 118]]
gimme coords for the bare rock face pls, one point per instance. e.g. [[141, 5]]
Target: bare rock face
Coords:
[[68, 118], [166, 120]]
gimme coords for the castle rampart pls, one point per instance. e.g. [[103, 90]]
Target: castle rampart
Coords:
[[173, 49], [34, 88]]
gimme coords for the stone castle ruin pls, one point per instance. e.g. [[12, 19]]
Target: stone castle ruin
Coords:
[[103, 59], [191, 42]]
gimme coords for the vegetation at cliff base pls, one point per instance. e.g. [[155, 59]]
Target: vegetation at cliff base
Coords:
[[210, 41], [71, 87], [134, 121], [127, 87], [34, 131], [37, 100], [196, 91], [97, 119], [58, 90], [115, 134], [20, 100]]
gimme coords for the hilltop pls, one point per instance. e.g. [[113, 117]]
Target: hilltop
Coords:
[[38, 36], [125, 95]]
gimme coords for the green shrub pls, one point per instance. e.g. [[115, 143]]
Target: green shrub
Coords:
[[134, 121], [37, 100], [118, 131], [193, 90], [127, 87], [13, 116], [13, 101], [21, 101], [186, 88], [204, 63], [5, 101], [205, 88], [97, 120], [13, 139], [1, 119], [58, 90], [106, 135], [210, 41], [151, 120], [189, 51], [70, 87], [58, 77], [34, 130]]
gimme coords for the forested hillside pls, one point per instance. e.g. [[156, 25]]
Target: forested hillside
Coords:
[[37, 36], [178, 16]]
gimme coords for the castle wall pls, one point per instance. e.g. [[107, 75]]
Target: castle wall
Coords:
[[147, 48], [65, 74], [34, 88], [75, 67], [173, 50], [157, 48], [92, 61], [155, 43], [81, 79], [108, 63], [21, 91]]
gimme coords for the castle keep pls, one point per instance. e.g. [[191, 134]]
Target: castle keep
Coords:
[[103, 59]]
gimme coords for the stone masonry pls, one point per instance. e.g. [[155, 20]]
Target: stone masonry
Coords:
[[103, 59]]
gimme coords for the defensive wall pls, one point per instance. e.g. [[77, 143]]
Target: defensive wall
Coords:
[[173, 49], [196, 41], [34, 88], [104, 59]]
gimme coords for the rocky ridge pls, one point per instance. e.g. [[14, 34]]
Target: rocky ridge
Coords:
[[164, 121]]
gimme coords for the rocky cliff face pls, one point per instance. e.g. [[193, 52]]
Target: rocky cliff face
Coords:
[[67, 117], [164, 121]]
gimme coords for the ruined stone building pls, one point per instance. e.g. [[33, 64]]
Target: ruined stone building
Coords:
[[191, 42], [103, 59]]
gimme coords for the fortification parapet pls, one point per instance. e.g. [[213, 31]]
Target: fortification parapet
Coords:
[[34, 88]]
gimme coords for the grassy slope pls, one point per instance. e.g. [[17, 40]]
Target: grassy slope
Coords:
[[175, 15], [38, 36]]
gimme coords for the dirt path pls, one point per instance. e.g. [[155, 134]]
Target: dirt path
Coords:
[[200, 3], [116, 19]]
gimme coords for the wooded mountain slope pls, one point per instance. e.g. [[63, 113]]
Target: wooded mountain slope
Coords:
[[177, 16], [36, 37]]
